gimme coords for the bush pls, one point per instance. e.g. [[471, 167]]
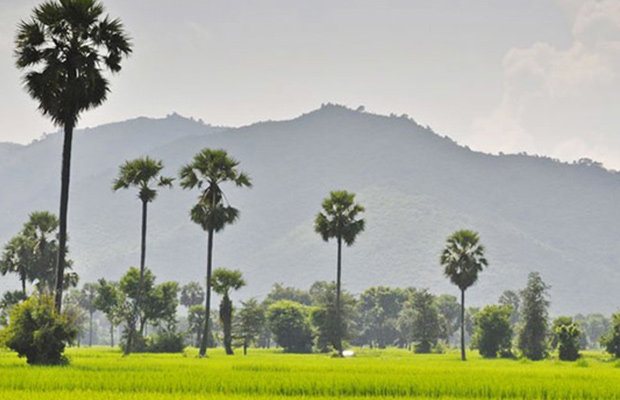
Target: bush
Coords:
[[289, 322], [493, 332], [36, 331], [611, 340], [568, 341], [166, 342], [139, 342]]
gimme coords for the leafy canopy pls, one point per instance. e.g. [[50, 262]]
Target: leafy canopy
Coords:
[[339, 217], [141, 173], [463, 258]]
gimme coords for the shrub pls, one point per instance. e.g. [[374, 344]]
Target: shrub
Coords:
[[166, 342], [289, 322], [568, 341], [493, 333], [37, 332], [611, 340]]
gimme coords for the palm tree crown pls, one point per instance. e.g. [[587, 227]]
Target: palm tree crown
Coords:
[[463, 258], [64, 47], [208, 170], [141, 173], [225, 280], [338, 219]]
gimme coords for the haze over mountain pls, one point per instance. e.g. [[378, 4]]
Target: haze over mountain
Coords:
[[532, 213]]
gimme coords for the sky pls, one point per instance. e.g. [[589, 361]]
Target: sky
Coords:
[[540, 76]]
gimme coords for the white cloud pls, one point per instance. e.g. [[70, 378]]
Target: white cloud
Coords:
[[562, 102]]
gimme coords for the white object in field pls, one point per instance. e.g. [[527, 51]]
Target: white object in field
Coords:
[[348, 353]]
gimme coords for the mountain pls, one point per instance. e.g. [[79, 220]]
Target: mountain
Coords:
[[532, 213]]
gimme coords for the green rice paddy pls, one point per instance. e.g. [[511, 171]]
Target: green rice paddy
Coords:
[[102, 373]]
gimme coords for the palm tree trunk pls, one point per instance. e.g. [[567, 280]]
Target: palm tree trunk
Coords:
[[463, 325], [111, 334], [64, 206], [23, 279], [136, 306], [226, 317], [338, 280], [205, 331]]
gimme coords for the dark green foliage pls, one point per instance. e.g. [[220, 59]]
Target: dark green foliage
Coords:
[[567, 333], [324, 315], [195, 320], [559, 321], [532, 340], [289, 322], [192, 294], [249, 323], [110, 301], [64, 49], [512, 299], [421, 318], [280, 292], [493, 332], [463, 259], [611, 340], [449, 311], [166, 342], [378, 309], [37, 332]]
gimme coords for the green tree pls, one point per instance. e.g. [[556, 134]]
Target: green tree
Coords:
[[143, 173], [324, 315], [493, 333], [378, 309], [192, 294], [280, 292], [17, 258], [109, 300], [129, 284], [420, 320], [223, 282], [512, 299], [611, 340], [532, 340], [289, 322], [38, 332], [87, 302], [195, 320], [449, 311], [339, 220], [559, 321], [463, 259], [249, 323], [568, 334], [208, 171], [64, 49], [8, 301]]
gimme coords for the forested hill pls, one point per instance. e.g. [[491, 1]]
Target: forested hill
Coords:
[[532, 213]]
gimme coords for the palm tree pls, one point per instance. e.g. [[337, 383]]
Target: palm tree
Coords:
[[207, 172], [142, 173], [338, 220], [17, 258], [223, 282], [463, 258], [64, 49]]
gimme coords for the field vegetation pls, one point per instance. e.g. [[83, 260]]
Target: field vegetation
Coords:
[[103, 373]]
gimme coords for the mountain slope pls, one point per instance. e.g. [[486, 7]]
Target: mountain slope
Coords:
[[532, 213]]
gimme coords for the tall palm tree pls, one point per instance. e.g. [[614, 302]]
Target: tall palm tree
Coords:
[[339, 220], [224, 281], [63, 49], [463, 258], [208, 171], [143, 173], [17, 259]]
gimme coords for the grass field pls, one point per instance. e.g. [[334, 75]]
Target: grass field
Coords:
[[103, 373]]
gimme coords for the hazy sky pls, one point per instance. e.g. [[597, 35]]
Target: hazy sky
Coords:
[[541, 76]]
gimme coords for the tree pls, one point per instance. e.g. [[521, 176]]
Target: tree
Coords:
[[463, 259], [420, 320], [143, 173], [250, 321], [567, 333], [559, 321], [109, 300], [64, 49], [378, 309], [493, 333], [207, 172], [38, 332], [33, 253], [87, 302], [223, 282], [192, 294], [280, 292], [449, 311], [129, 284], [195, 320], [532, 340], [611, 340], [511, 298], [339, 220], [324, 315], [289, 322]]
